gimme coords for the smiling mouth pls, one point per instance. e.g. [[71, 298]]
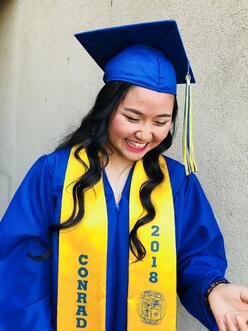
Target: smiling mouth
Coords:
[[134, 146]]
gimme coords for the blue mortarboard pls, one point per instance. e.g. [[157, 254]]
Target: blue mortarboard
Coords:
[[150, 55]]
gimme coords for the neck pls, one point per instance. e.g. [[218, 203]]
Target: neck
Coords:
[[117, 171], [117, 163]]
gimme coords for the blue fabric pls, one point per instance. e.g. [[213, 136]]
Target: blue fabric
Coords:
[[153, 69], [143, 66], [29, 288]]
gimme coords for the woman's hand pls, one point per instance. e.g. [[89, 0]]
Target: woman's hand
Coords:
[[229, 304]]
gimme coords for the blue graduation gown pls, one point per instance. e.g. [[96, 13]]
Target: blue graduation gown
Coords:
[[29, 288]]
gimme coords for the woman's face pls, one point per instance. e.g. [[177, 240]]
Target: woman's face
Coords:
[[140, 123]]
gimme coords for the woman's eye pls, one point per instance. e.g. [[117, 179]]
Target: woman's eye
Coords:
[[160, 123], [136, 120], [131, 119]]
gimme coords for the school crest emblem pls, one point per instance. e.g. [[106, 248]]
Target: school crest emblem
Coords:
[[151, 307]]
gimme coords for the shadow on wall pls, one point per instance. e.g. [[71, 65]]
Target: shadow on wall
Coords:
[[4, 4], [7, 7]]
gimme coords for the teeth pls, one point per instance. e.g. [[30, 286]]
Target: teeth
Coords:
[[133, 143]]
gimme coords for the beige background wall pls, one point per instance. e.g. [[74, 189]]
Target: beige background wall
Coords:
[[48, 82]]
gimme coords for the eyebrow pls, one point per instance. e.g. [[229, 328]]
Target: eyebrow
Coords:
[[137, 112]]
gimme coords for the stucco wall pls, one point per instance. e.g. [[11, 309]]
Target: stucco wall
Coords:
[[48, 82]]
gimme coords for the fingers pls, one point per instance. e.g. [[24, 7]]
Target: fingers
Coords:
[[221, 325], [230, 323], [241, 323], [233, 324]]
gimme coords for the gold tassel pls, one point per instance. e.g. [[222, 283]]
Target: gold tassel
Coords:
[[188, 149]]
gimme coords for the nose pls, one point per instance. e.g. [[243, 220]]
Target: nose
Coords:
[[144, 134]]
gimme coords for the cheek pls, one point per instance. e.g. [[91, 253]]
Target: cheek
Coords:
[[162, 133], [119, 127]]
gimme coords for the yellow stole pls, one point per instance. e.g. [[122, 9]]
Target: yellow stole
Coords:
[[82, 257]]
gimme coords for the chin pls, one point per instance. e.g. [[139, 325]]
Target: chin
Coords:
[[134, 157]]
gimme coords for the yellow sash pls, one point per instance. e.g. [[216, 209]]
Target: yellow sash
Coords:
[[82, 266]]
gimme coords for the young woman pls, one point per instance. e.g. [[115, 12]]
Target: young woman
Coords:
[[104, 231]]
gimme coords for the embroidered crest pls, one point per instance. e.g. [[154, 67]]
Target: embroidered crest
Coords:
[[151, 307]]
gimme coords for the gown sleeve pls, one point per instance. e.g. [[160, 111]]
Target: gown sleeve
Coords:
[[25, 295], [201, 256]]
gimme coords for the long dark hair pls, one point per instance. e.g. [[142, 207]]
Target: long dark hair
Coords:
[[92, 135]]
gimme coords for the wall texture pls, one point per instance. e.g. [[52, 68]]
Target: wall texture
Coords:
[[48, 82]]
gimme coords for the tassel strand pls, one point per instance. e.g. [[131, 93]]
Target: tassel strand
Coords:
[[188, 149]]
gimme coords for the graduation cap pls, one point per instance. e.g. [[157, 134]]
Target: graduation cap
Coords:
[[149, 55]]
